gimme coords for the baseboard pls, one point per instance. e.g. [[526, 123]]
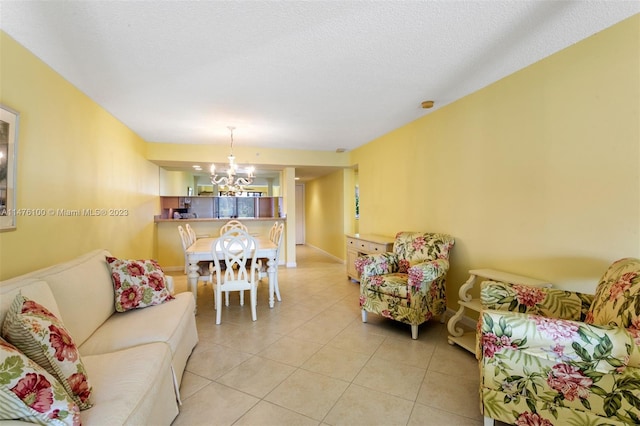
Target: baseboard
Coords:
[[326, 253]]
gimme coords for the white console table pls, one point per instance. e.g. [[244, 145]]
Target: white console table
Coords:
[[468, 339], [361, 245]]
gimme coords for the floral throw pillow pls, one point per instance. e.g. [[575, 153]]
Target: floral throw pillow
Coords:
[[137, 283], [29, 393], [617, 299], [43, 338]]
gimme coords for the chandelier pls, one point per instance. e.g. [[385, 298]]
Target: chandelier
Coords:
[[232, 183]]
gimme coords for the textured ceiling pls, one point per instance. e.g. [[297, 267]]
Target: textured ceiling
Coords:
[[315, 75]]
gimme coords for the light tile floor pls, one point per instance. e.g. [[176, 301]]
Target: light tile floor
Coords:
[[311, 361]]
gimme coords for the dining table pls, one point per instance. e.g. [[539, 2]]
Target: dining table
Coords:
[[202, 250]]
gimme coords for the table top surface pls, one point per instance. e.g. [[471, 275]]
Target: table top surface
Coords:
[[203, 245]]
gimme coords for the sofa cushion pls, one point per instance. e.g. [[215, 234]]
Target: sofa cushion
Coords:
[[32, 288], [38, 333], [28, 392], [137, 283], [133, 386], [83, 291], [617, 299], [161, 323]]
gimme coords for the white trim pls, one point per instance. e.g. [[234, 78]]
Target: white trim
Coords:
[[328, 254]]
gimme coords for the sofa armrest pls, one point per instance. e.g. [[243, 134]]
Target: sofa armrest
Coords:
[[603, 349], [377, 264], [170, 285], [548, 302]]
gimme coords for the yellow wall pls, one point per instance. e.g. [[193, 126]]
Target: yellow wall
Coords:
[[537, 174], [324, 214], [72, 154], [176, 183]]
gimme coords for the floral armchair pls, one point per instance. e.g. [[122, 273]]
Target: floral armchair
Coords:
[[408, 284], [553, 357]]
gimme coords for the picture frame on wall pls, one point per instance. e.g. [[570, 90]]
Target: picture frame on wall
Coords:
[[9, 120]]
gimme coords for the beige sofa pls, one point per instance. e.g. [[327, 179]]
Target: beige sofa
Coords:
[[134, 360]]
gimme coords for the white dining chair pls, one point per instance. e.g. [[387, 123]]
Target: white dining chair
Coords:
[[191, 233], [184, 240], [238, 250], [272, 231], [275, 235], [232, 224], [204, 267]]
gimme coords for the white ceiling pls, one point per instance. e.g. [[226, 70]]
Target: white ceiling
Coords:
[[315, 75]]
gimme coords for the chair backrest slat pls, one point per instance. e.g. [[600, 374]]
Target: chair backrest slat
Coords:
[[191, 233], [184, 238], [232, 224]]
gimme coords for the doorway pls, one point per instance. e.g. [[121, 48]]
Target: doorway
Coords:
[[300, 238]]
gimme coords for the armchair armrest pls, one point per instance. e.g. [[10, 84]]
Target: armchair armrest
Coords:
[[549, 302], [599, 349], [377, 264]]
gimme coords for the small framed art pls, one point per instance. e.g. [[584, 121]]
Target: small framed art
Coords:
[[8, 159]]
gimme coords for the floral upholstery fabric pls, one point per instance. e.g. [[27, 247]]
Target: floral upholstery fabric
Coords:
[[617, 300], [408, 284], [29, 393], [413, 248], [549, 302], [543, 364], [41, 336], [137, 283]]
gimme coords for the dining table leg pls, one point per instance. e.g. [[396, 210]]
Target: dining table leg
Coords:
[[271, 273], [192, 277]]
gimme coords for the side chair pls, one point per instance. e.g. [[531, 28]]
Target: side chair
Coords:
[[408, 284], [240, 274]]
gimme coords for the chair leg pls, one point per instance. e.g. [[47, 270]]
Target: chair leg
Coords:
[[488, 421], [226, 298], [277, 288], [414, 332], [254, 302], [219, 308], [364, 316], [242, 298]]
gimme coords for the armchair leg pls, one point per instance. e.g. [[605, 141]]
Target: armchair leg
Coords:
[[414, 332], [488, 421], [364, 316]]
